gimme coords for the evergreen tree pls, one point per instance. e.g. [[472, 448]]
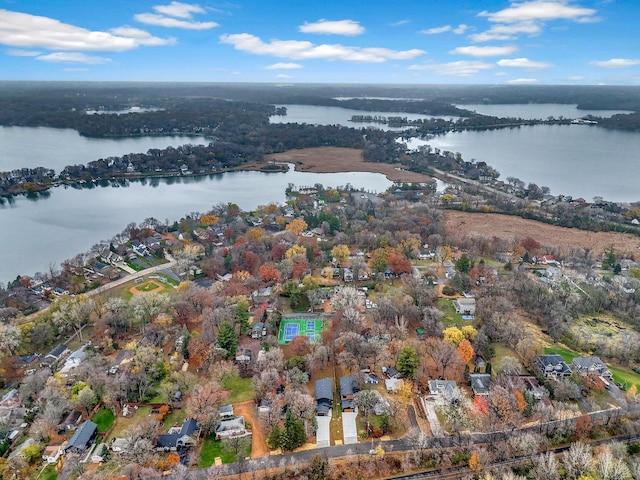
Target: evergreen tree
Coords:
[[463, 265], [292, 435], [273, 440], [228, 339], [242, 317], [408, 362], [319, 468]]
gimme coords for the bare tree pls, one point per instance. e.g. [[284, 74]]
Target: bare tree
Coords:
[[577, 460]]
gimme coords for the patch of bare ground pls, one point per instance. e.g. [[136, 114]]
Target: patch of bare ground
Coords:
[[338, 159], [510, 227], [258, 438]]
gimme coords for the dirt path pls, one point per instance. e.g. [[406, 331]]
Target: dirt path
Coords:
[[259, 439]]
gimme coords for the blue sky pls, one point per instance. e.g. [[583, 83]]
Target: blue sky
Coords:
[[329, 41]]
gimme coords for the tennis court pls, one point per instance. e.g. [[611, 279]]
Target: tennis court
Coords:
[[293, 327]]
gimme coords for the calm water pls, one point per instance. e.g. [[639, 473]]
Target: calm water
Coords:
[[319, 115], [58, 147], [531, 111], [578, 160], [36, 233]]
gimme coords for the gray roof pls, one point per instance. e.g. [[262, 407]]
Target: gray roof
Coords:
[[324, 389], [554, 363], [346, 385], [57, 351], [593, 364], [480, 382], [83, 436]]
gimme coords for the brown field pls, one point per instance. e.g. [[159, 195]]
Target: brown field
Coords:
[[512, 227], [337, 159]]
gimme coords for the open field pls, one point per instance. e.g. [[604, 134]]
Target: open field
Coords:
[[337, 159], [511, 227]]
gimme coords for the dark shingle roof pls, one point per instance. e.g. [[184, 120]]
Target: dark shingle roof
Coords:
[[324, 389], [82, 437], [346, 385]]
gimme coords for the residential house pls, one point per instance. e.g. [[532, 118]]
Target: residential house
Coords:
[[82, 438], [231, 427], [480, 383], [10, 399], [347, 275], [465, 305], [52, 453], [75, 359], [226, 411], [591, 365], [324, 396], [347, 390], [258, 331], [445, 389], [371, 379], [179, 437], [393, 384], [552, 366], [391, 372], [243, 355], [71, 421], [120, 445], [55, 354], [139, 249], [527, 383]]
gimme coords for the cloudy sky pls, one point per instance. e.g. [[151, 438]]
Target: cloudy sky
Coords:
[[339, 41]]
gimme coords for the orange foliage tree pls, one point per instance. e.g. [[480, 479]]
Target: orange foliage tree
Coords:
[[465, 350], [269, 274]]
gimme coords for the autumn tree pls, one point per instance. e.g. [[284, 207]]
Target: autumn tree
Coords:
[[269, 274], [443, 354], [453, 335], [295, 250], [398, 262], [204, 404], [73, 313], [340, 253], [208, 220], [465, 351], [297, 226]]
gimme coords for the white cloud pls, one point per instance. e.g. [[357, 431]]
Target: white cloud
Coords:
[[484, 51], [523, 81], [30, 31], [299, 50], [142, 37], [541, 10], [522, 63], [170, 22], [327, 27], [616, 63], [73, 57], [460, 29], [283, 66], [454, 69], [16, 52], [436, 30], [399, 23], [507, 32], [179, 10], [75, 69], [501, 74], [283, 75]]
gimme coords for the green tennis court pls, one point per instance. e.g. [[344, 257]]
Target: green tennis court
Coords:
[[294, 327]]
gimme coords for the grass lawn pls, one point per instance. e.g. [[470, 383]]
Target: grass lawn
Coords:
[[451, 318], [212, 448], [176, 417], [566, 354], [241, 389], [501, 351], [625, 376], [104, 418], [123, 423], [49, 473]]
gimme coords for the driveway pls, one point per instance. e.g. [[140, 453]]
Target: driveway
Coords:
[[349, 427], [323, 434], [434, 423], [258, 439]]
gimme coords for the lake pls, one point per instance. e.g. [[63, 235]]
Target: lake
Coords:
[[533, 111], [578, 160], [58, 147], [70, 220], [320, 115]]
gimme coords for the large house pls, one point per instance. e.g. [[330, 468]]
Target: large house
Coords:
[[445, 389], [552, 366], [324, 396], [82, 438], [231, 427], [179, 437], [591, 365]]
